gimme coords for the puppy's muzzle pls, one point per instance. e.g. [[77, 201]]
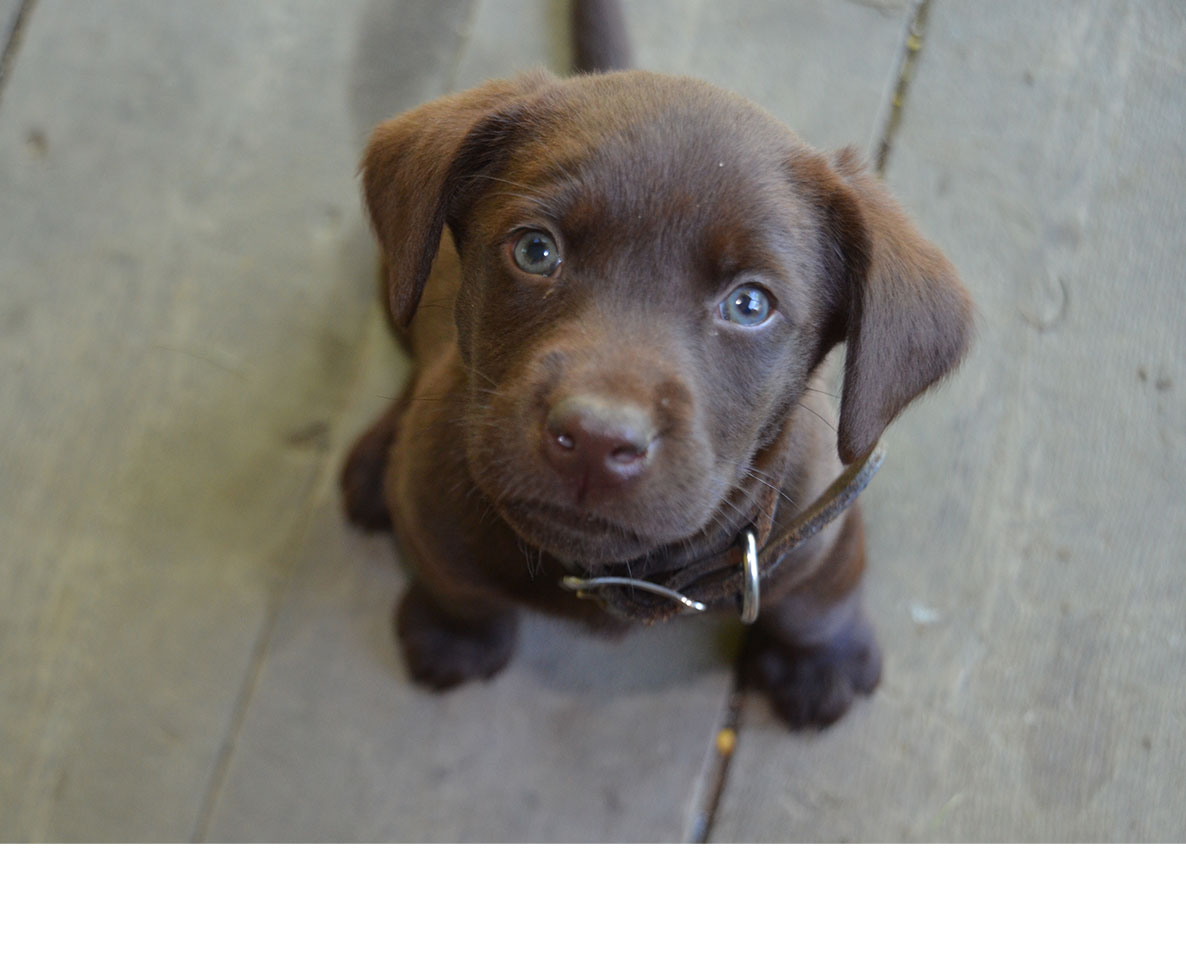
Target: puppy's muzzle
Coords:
[[597, 445]]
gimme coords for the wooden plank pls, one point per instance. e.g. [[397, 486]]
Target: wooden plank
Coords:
[[9, 10], [1027, 571], [406, 53], [825, 69], [504, 37], [579, 739], [184, 277]]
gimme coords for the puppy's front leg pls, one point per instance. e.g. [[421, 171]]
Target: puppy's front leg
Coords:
[[364, 474], [444, 647], [813, 651]]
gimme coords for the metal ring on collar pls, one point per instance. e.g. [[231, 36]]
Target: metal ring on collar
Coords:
[[750, 585]]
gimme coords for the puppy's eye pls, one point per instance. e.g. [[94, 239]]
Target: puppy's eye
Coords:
[[748, 306], [536, 252]]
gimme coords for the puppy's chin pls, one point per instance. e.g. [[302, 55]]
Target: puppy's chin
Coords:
[[576, 537]]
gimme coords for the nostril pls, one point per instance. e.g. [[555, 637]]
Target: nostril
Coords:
[[628, 454], [597, 442]]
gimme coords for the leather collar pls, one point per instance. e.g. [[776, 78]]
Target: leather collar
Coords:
[[733, 576]]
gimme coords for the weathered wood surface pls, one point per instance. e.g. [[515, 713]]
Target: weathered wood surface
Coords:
[[1026, 531], [184, 279], [192, 643]]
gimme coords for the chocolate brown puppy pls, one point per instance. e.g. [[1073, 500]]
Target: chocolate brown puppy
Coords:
[[617, 350]]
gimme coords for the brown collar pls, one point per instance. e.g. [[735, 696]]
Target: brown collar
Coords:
[[734, 575]]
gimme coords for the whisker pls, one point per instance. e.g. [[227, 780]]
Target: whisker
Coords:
[[800, 404], [770, 483]]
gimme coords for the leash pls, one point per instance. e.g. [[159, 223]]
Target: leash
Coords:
[[733, 576]]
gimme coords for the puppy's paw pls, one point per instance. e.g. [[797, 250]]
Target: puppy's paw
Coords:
[[814, 686], [363, 476], [442, 652]]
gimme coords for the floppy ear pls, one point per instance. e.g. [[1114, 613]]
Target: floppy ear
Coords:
[[412, 169], [909, 317]]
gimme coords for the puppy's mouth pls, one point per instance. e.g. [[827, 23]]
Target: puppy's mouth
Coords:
[[574, 535], [556, 478]]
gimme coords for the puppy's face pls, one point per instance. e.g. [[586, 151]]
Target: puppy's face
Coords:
[[643, 296], [650, 270]]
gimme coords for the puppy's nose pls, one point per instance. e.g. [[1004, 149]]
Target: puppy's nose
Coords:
[[595, 444]]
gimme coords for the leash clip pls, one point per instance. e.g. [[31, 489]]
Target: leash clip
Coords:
[[750, 584], [584, 588]]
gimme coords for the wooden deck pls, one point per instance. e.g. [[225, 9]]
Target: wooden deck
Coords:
[[194, 646]]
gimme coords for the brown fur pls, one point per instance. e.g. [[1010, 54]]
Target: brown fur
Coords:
[[662, 194]]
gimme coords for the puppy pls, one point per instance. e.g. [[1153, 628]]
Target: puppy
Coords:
[[617, 370]]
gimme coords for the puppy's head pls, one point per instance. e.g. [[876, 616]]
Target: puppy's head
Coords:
[[650, 270]]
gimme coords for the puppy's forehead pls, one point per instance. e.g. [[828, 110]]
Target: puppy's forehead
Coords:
[[680, 162]]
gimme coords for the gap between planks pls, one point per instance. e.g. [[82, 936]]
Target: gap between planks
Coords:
[[12, 43]]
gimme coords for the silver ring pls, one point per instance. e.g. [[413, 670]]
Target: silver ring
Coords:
[[749, 577]]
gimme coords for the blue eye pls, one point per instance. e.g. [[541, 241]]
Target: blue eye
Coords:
[[748, 306], [536, 252]]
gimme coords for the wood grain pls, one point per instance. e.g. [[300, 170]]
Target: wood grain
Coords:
[[183, 278]]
